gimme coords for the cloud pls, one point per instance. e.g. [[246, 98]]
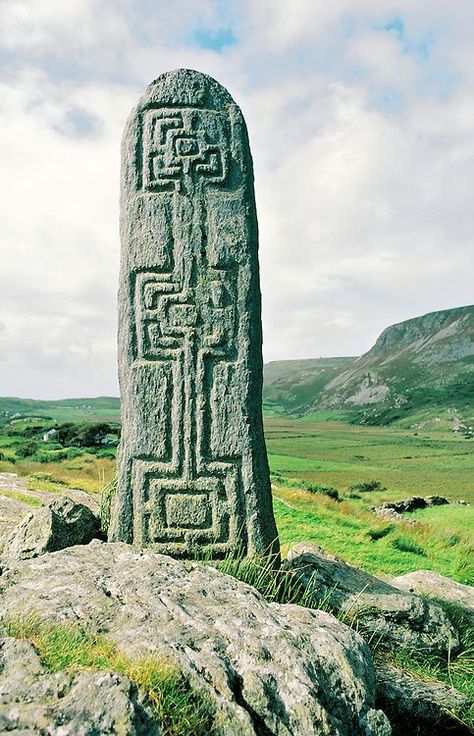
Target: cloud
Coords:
[[361, 125]]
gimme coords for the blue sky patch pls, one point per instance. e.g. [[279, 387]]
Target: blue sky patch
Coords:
[[214, 39], [422, 46]]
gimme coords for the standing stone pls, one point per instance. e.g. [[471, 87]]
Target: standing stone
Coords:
[[193, 470]]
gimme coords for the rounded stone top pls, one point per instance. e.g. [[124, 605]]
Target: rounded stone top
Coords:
[[186, 87]]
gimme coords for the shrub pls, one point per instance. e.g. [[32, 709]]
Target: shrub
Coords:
[[324, 490], [85, 434], [366, 486], [49, 457], [453, 540], [27, 449]]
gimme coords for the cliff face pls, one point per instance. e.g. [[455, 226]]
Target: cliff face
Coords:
[[425, 362]]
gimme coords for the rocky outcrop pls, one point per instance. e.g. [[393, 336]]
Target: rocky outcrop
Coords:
[[60, 524], [34, 702], [383, 612], [419, 707], [267, 668], [433, 584]]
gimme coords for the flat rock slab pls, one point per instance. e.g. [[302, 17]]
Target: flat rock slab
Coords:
[[398, 618], [268, 668], [11, 482], [433, 584]]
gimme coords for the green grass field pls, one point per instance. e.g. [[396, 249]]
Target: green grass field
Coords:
[[339, 454], [325, 451]]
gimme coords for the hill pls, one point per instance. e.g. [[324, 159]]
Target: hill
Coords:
[[416, 370]]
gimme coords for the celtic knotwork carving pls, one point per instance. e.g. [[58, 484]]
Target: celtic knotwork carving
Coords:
[[182, 147], [185, 499], [165, 313]]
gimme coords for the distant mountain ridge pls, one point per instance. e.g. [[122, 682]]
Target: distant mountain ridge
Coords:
[[423, 366], [425, 362]]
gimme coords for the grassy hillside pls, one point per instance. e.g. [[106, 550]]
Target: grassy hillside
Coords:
[[291, 385], [102, 408], [418, 372]]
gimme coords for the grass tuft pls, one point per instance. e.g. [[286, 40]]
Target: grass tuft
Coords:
[[273, 583], [179, 710], [405, 544], [23, 497], [379, 532]]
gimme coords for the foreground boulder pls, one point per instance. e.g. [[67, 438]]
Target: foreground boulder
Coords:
[[59, 524], [34, 702], [382, 612], [434, 584], [268, 668]]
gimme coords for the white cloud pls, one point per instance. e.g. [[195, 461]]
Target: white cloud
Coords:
[[363, 145]]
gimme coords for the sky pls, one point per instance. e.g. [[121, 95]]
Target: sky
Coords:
[[361, 124]]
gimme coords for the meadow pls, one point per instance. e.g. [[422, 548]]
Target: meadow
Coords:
[[305, 454], [322, 451]]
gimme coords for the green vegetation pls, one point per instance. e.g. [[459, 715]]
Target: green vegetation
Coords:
[[103, 408], [326, 474], [84, 434], [338, 454], [290, 386], [357, 537], [367, 486], [319, 452], [178, 709], [279, 479], [405, 544], [23, 497], [274, 584], [49, 463], [315, 462], [380, 532]]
